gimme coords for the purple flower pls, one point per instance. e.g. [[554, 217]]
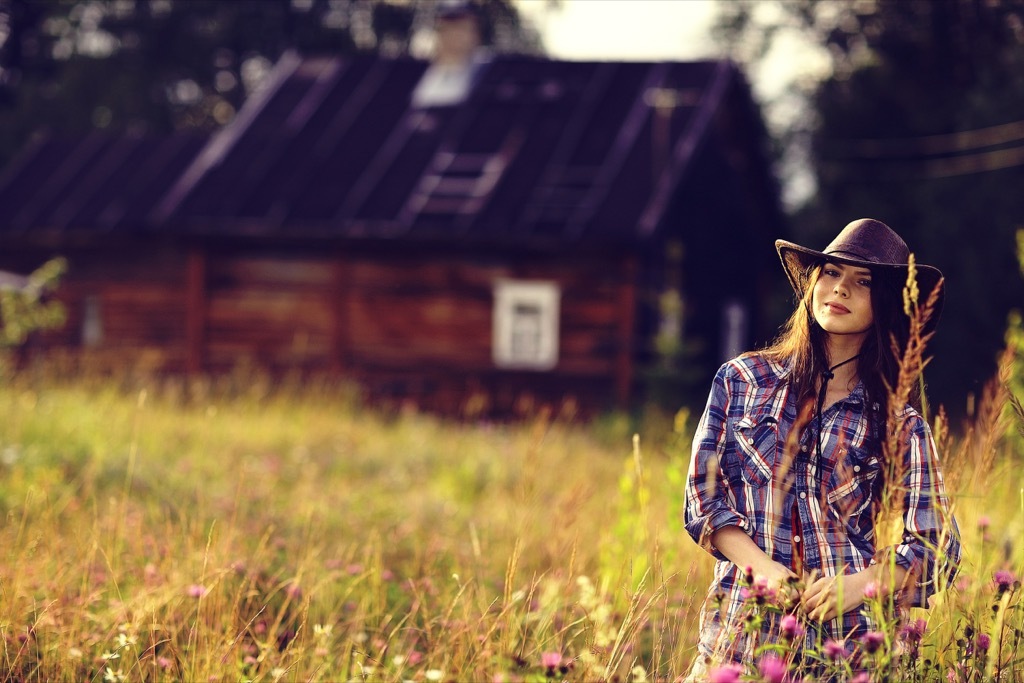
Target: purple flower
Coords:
[[982, 642], [873, 641], [729, 673], [862, 677], [835, 650], [772, 669], [551, 660], [1004, 580], [913, 631], [791, 628]]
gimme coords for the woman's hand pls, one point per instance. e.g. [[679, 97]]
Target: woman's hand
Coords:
[[831, 596]]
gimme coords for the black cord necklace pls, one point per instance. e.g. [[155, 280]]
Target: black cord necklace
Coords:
[[826, 375]]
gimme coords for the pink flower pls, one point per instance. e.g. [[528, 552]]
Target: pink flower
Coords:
[[873, 641], [835, 650], [791, 628], [197, 591], [862, 677], [871, 590], [982, 642], [772, 669], [164, 663], [414, 658], [984, 522], [293, 591], [551, 660], [729, 673]]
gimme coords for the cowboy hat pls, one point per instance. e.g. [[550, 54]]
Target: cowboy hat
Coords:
[[865, 242]]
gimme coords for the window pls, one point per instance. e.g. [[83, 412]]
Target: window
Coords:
[[525, 324]]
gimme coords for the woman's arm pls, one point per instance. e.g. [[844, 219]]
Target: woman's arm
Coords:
[[741, 550], [709, 502]]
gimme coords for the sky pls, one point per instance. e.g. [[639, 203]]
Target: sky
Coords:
[[677, 30]]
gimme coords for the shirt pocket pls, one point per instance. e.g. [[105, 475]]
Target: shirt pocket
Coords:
[[852, 483], [757, 447]]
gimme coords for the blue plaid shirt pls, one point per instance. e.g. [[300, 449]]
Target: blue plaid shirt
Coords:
[[737, 478]]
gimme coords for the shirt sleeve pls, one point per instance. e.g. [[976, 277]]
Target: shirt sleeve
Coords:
[[930, 548], [709, 503]]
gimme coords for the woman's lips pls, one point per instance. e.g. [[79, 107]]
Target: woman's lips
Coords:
[[836, 308]]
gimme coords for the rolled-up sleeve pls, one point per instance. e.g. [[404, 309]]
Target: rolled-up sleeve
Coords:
[[930, 548], [710, 504]]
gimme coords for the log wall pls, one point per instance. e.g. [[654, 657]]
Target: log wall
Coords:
[[409, 326]]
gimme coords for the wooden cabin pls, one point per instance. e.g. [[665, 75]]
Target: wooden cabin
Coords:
[[506, 229]]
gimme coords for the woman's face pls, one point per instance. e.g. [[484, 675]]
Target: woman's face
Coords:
[[841, 301]]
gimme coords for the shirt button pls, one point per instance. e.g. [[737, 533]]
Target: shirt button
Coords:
[[796, 539], [803, 495], [856, 468], [804, 448]]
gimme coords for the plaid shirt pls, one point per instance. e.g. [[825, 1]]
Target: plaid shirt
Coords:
[[735, 479]]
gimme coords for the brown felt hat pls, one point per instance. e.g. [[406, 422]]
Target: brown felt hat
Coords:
[[865, 242]]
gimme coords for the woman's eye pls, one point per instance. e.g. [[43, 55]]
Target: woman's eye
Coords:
[[865, 283]]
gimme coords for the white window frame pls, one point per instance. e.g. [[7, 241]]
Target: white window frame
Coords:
[[518, 305]]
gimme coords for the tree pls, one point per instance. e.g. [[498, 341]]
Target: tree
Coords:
[[28, 308], [160, 65], [919, 124]]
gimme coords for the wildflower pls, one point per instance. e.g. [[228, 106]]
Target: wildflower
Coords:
[[1004, 580], [414, 657], [914, 631], [862, 677], [983, 523], [75, 653], [433, 674], [551, 660], [759, 592], [982, 642], [791, 628], [871, 591], [729, 673], [197, 591], [835, 650], [873, 641], [772, 669], [293, 590], [164, 663]]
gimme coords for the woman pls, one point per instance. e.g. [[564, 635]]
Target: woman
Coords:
[[789, 467]]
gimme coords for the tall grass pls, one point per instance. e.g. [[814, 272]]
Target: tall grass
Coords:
[[166, 531]]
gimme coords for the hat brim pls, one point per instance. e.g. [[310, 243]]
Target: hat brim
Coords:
[[797, 262]]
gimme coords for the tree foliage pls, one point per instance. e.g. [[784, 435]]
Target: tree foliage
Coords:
[[159, 65], [27, 309], [919, 124]]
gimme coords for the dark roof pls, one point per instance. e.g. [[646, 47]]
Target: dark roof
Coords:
[[541, 151], [98, 182]]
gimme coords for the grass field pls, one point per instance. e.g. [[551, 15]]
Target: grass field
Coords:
[[198, 532]]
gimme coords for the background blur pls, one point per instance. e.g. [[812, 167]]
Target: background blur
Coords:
[[910, 112]]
